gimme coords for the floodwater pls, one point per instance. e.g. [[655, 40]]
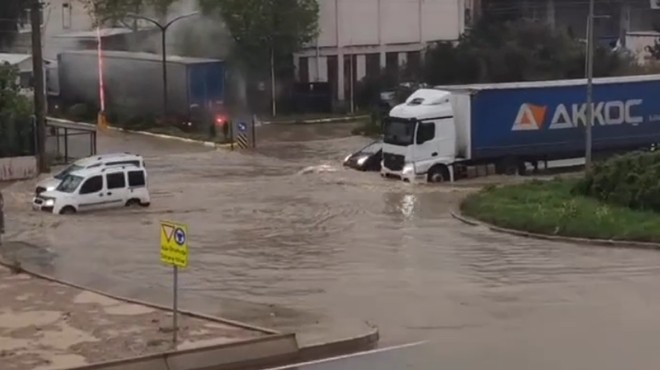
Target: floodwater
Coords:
[[285, 237]]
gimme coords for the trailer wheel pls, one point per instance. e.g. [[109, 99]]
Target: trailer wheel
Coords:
[[508, 166], [438, 174]]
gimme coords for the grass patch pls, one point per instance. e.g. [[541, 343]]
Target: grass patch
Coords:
[[550, 207]]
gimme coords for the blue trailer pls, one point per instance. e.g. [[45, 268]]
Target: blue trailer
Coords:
[[133, 82], [437, 132]]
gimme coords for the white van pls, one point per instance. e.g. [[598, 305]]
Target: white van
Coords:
[[96, 161], [96, 188]]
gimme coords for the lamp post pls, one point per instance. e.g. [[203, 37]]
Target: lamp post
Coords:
[[590, 89], [163, 29]]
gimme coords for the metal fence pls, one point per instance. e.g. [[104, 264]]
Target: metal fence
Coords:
[[68, 141], [17, 137]]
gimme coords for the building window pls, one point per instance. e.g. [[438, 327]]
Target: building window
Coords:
[[373, 65], [303, 69]]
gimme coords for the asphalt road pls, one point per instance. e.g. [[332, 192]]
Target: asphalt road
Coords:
[[390, 358]]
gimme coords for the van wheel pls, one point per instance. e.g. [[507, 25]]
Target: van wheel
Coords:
[[438, 174], [145, 204], [132, 202], [68, 210]]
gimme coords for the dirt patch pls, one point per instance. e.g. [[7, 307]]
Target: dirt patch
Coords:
[[45, 325]]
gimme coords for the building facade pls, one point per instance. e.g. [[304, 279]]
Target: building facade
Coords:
[[361, 37]]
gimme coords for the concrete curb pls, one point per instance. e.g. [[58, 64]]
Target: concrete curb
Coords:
[[354, 344], [209, 144], [318, 120], [270, 349], [556, 238]]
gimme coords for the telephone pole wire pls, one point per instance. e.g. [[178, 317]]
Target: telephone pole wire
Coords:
[[39, 85]]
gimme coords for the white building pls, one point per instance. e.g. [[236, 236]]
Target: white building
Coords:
[[368, 35], [59, 17]]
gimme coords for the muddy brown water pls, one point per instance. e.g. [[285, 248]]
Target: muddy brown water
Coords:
[[324, 249]]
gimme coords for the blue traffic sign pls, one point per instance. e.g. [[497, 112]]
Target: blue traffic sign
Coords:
[[242, 127], [180, 236]]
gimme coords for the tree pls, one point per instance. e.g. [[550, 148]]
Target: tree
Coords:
[[115, 11], [496, 51], [10, 17], [259, 27], [16, 129]]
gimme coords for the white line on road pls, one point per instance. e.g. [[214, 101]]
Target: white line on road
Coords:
[[344, 357]]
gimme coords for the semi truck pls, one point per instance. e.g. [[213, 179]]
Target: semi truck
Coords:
[[438, 134], [133, 82]]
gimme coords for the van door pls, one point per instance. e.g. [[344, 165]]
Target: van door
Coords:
[[91, 195], [116, 191]]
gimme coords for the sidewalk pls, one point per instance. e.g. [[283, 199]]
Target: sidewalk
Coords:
[[45, 325]]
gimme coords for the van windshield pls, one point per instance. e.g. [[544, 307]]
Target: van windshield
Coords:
[[398, 132], [68, 170], [69, 184]]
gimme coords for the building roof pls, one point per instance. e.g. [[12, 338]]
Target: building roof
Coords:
[[14, 59], [143, 56], [92, 35]]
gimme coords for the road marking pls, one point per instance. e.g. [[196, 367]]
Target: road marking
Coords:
[[345, 357]]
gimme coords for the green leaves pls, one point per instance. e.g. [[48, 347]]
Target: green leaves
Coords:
[[259, 26], [16, 130], [496, 51], [630, 180], [115, 11]]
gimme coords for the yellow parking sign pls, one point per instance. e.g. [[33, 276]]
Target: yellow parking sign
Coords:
[[174, 243]]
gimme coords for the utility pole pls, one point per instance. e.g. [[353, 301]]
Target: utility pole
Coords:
[[273, 94], [39, 85], [590, 76]]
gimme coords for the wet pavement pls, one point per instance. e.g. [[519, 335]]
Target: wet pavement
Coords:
[[47, 326], [285, 237]]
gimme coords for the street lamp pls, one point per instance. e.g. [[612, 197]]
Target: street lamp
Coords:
[[163, 29], [590, 88]]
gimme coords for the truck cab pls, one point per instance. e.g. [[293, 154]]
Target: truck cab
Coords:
[[420, 138]]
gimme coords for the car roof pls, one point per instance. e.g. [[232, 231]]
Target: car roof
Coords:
[[88, 172], [84, 162]]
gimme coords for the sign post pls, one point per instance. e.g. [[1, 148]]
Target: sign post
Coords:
[[174, 252]]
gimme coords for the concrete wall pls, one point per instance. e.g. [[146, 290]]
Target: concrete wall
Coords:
[[361, 27], [59, 17], [18, 168]]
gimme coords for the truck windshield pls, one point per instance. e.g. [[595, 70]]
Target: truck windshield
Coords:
[[398, 132]]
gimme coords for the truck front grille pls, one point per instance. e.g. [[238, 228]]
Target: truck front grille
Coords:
[[393, 162]]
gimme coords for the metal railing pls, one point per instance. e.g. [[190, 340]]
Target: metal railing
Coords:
[[67, 141]]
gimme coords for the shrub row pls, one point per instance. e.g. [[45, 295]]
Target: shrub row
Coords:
[[631, 180]]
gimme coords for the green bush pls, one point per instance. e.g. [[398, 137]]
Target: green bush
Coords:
[[521, 50], [16, 128], [79, 112], [630, 180]]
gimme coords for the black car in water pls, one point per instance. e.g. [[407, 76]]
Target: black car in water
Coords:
[[367, 158]]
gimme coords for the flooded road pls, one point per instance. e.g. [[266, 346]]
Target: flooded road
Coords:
[[326, 249]]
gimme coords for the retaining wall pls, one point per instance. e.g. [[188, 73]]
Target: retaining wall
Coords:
[[18, 168]]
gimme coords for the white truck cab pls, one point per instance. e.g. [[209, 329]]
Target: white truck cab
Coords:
[[95, 189], [420, 138]]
